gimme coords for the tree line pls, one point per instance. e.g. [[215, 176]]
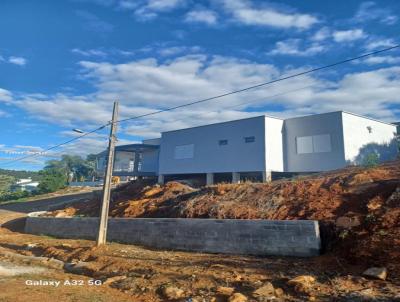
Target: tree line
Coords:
[[55, 175]]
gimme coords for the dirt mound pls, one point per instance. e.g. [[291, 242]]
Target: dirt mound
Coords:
[[359, 208]]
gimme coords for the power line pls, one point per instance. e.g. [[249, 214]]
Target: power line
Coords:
[[216, 97], [59, 145], [255, 100], [262, 84], [102, 127]]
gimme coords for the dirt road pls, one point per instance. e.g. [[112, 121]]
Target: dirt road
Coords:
[[44, 204], [132, 273]]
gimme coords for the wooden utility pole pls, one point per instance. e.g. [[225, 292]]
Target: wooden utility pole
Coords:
[[102, 235]]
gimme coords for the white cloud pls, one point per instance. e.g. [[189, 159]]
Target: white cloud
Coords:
[[292, 47], [143, 86], [163, 5], [244, 12], [202, 16], [3, 113], [151, 8], [64, 110], [89, 52], [381, 43], [382, 60], [17, 60], [174, 50], [5, 95], [369, 11], [348, 35], [322, 34]]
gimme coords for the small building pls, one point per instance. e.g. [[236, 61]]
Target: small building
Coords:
[[260, 147], [25, 184]]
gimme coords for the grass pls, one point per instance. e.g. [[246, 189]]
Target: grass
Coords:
[[65, 191]]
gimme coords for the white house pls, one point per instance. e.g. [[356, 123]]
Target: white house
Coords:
[[258, 147], [25, 184]]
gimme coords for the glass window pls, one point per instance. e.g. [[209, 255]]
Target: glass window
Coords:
[[184, 151], [304, 144], [223, 142], [249, 139], [322, 143], [313, 144]]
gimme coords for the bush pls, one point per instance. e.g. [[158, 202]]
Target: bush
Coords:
[[370, 160], [52, 180], [14, 195]]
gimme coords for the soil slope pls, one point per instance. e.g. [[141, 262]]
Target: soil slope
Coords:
[[359, 208]]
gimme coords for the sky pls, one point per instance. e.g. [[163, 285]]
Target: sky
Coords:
[[63, 64]]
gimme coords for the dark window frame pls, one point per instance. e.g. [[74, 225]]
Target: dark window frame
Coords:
[[249, 139]]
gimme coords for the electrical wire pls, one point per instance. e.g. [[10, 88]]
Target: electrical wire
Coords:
[[214, 98]]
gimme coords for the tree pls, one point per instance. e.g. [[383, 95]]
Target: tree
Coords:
[[74, 167], [371, 160], [5, 183], [51, 180]]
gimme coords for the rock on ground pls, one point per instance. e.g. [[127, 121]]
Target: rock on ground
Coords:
[[237, 297], [225, 291], [172, 293], [376, 272], [266, 291]]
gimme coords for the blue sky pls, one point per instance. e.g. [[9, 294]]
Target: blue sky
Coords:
[[63, 63]]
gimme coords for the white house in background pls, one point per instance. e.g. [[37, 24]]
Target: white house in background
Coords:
[[259, 147], [25, 184]]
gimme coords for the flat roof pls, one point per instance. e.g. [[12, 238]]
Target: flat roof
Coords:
[[226, 122], [270, 116], [134, 147], [347, 112]]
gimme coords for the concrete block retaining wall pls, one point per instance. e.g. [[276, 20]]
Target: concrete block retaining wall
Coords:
[[229, 236]]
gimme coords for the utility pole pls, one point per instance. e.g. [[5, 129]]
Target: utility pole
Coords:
[[102, 236]]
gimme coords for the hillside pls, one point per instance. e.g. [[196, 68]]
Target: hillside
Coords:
[[359, 208], [20, 174]]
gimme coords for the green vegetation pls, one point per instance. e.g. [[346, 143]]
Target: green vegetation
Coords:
[[52, 180], [5, 183], [6, 196], [54, 176], [21, 174], [75, 168], [371, 160]]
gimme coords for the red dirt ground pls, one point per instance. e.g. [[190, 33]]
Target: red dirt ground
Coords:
[[359, 208]]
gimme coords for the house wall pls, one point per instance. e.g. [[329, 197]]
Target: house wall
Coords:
[[208, 155], [150, 161], [274, 144], [152, 141], [357, 136], [310, 126]]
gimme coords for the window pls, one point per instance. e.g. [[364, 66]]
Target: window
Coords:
[[313, 144], [223, 142], [322, 143], [304, 144], [249, 139], [184, 151]]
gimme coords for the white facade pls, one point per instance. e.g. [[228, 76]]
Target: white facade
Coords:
[[358, 131], [236, 146], [263, 144], [314, 143]]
